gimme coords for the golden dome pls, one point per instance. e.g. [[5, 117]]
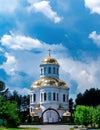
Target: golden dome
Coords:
[[50, 60], [33, 114], [67, 113], [45, 82]]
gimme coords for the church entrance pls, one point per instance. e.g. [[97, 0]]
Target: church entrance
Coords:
[[50, 116]]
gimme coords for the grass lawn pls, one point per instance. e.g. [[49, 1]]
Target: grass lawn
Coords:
[[3, 128]]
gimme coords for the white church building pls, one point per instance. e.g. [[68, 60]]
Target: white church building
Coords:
[[49, 95]]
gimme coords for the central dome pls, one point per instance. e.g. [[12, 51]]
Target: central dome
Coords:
[[50, 60], [45, 82]]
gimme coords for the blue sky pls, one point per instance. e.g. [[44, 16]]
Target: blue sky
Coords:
[[70, 28]]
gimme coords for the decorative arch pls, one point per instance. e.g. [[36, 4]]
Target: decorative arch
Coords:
[[59, 118]]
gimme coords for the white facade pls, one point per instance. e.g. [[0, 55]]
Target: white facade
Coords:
[[49, 95]]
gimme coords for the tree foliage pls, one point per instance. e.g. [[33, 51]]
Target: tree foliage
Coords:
[[97, 116], [8, 112], [83, 115], [3, 89], [89, 97], [22, 105], [71, 105], [13, 106]]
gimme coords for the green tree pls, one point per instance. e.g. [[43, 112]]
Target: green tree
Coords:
[[71, 109], [22, 105], [8, 112], [71, 105], [97, 116], [3, 89], [83, 115], [89, 98]]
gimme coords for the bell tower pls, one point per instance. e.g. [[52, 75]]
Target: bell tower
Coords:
[[49, 67]]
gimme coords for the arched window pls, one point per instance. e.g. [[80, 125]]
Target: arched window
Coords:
[[49, 96], [34, 97], [67, 98], [57, 71], [53, 70], [49, 70], [45, 96], [64, 97], [44, 70], [57, 97], [41, 71], [54, 96]]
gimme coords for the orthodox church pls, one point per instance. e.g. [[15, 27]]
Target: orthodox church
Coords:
[[49, 95]]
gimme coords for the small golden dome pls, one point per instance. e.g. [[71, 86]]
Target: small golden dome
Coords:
[[50, 60], [38, 107], [67, 113], [33, 114], [45, 82]]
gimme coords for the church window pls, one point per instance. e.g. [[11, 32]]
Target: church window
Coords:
[[44, 70], [45, 96], [57, 96], [54, 70], [67, 97], [54, 96], [49, 70], [49, 96], [41, 71], [64, 97], [57, 70], [34, 97]]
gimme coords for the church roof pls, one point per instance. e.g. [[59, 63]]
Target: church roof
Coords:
[[46, 82], [50, 60]]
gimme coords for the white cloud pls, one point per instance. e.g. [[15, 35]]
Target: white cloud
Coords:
[[16, 61], [7, 6], [21, 42], [93, 5], [18, 42], [22, 91], [95, 37], [10, 65], [84, 74], [1, 49], [33, 1], [19, 60], [45, 8]]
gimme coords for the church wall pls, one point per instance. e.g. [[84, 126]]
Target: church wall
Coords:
[[50, 104], [52, 90], [61, 112], [45, 68]]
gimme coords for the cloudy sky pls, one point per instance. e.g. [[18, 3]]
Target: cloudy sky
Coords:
[[70, 28]]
